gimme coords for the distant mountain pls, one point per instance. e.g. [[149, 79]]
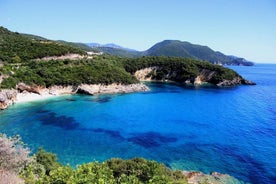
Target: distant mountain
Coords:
[[115, 50], [175, 48], [178, 48], [78, 45], [109, 45], [119, 52]]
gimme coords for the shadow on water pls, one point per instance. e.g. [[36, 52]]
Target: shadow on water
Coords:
[[171, 87], [51, 118], [100, 99], [146, 140], [71, 99], [151, 139], [111, 133]]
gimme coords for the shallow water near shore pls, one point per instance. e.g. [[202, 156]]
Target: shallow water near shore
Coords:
[[228, 130]]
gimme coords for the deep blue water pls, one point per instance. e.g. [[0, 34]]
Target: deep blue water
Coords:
[[230, 130]]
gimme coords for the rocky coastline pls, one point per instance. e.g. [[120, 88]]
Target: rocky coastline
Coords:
[[24, 93], [203, 79]]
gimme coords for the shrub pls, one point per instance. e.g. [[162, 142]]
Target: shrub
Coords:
[[47, 159], [13, 155], [7, 177]]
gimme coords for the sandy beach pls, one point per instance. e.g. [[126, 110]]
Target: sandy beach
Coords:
[[28, 97]]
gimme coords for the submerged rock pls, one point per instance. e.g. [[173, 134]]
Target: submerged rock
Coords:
[[196, 177]]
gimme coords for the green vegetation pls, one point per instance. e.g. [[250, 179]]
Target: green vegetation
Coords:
[[81, 46], [67, 72], [175, 48], [16, 48], [107, 70], [113, 171], [120, 52], [18, 51], [43, 168]]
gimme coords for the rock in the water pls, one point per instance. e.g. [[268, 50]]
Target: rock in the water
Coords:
[[234, 82], [248, 82], [195, 177]]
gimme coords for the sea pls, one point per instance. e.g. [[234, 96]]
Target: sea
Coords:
[[229, 130]]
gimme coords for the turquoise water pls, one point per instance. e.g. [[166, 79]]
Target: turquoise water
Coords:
[[229, 130]]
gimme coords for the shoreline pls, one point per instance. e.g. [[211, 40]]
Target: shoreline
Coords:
[[25, 93], [31, 97]]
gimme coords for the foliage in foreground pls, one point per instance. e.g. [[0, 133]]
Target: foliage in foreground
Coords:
[[16, 166], [135, 171], [14, 157]]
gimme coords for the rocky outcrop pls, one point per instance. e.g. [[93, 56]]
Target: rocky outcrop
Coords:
[[7, 98], [24, 87], [204, 78], [235, 81], [144, 74], [195, 177], [112, 88], [64, 57], [248, 82]]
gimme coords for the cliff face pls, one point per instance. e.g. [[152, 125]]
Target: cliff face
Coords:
[[204, 77], [7, 97]]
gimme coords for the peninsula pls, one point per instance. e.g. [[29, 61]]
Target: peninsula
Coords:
[[32, 67]]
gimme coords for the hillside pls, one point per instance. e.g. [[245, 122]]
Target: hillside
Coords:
[[18, 51], [175, 48], [16, 47], [120, 52], [81, 46]]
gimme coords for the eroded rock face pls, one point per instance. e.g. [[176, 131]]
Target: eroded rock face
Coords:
[[110, 89], [143, 74], [205, 77], [235, 81], [7, 97], [24, 87]]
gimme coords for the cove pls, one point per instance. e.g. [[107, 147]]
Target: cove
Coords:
[[228, 130]]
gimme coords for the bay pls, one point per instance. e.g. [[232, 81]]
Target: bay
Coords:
[[228, 130]]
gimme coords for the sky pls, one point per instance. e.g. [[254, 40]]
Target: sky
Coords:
[[244, 28]]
